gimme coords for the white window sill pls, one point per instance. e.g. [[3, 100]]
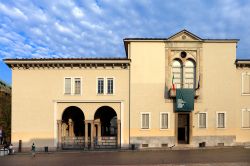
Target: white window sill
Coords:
[[100, 94], [164, 129], [104, 94], [221, 128], [72, 94], [145, 129], [245, 128], [245, 94], [110, 94]]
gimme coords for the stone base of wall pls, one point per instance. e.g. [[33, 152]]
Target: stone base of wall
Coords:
[[161, 142], [213, 140], [242, 144], [153, 142]]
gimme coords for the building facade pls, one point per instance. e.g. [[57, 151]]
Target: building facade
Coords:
[[166, 91], [5, 112]]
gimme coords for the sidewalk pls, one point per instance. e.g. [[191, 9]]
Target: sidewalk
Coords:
[[175, 148]]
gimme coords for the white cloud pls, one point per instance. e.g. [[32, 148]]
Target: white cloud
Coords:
[[56, 28], [37, 31], [95, 8], [62, 28], [77, 12], [12, 12]]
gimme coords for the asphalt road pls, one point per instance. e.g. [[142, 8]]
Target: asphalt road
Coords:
[[224, 156]]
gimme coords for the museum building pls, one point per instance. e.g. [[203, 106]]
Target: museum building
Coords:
[[180, 90]]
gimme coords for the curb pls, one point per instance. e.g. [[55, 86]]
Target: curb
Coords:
[[129, 150]]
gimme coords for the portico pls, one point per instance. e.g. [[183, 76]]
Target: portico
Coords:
[[81, 128]]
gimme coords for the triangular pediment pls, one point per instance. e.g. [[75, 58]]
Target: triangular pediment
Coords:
[[184, 35]]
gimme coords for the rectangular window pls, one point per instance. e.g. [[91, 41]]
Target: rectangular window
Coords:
[[221, 119], [246, 83], [100, 86], [67, 86], [110, 84], [245, 118], [202, 123], [164, 120], [77, 86], [145, 120]]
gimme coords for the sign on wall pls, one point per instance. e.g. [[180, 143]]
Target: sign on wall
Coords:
[[184, 100]]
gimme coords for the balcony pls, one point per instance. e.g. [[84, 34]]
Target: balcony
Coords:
[[172, 93]]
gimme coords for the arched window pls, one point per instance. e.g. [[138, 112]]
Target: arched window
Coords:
[[189, 74], [177, 74]]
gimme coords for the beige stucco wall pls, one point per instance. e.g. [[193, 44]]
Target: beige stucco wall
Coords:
[[242, 101], [220, 89], [148, 88], [39, 100]]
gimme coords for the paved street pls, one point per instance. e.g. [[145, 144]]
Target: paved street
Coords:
[[201, 157]]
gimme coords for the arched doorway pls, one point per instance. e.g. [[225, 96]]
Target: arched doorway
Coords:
[[73, 128], [105, 127]]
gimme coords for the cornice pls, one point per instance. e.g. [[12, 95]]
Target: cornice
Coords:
[[67, 63], [242, 63]]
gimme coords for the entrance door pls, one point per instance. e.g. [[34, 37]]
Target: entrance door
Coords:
[[183, 128]]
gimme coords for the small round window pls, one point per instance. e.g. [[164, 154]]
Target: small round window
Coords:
[[183, 54]]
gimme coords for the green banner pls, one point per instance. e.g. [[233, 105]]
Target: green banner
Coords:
[[184, 100]]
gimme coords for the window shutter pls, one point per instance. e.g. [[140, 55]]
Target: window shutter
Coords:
[[77, 85], [221, 120], [164, 120], [245, 118], [202, 120], [246, 83], [145, 121], [67, 85]]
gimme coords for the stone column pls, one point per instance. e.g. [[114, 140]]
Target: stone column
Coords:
[[92, 134], [97, 123], [71, 132], [95, 127], [86, 134], [59, 133], [99, 131], [118, 133]]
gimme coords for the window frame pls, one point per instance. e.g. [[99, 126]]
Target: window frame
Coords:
[[248, 110], [242, 84], [161, 120], [149, 121], [72, 86], [104, 84], [183, 72], [185, 78], [217, 120], [199, 120], [64, 86], [107, 78]]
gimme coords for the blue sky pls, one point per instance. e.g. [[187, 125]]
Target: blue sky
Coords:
[[95, 28]]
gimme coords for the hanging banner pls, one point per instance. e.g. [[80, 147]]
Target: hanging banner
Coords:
[[184, 100]]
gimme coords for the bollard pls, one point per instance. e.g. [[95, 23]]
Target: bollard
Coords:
[[133, 146], [20, 146], [46, 149]]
